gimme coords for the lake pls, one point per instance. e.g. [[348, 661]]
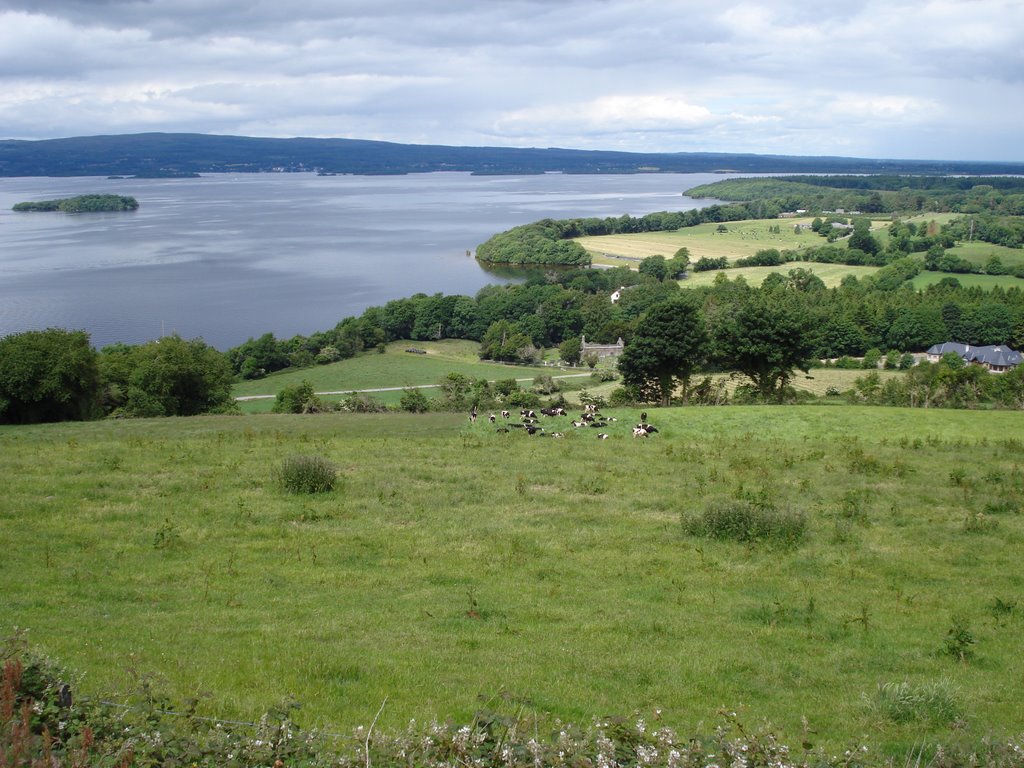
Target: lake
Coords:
[[228, 257]]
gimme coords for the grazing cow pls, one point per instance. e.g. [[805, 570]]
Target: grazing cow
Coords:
[[528, 413], [643, 417], [472, 416], [492, 418], [502, 430], [602, 436], [506, 415], [534, 430], [639, 432], [558, 434], [590, 408], [579, 423], [649, 429]]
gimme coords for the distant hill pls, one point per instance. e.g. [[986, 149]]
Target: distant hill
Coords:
[[171, 154]]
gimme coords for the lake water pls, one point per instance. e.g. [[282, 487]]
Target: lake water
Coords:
[[227, 257]]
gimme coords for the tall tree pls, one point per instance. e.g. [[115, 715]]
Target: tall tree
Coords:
[[47, 375], [764, 340], [670, 342]]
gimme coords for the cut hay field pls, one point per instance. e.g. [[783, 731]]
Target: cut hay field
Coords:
[[455, 563], [743, 238]]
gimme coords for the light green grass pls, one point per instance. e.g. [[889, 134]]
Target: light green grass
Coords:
[[986, 282], [743, 238], [979, 253], [394, 368], [830, 274], [455, 562]]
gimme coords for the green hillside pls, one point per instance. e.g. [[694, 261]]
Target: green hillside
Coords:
[[566, 575]]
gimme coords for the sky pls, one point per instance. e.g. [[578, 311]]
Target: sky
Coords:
[[929, 79]]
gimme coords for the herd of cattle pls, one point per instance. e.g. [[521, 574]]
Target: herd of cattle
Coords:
[[591, 417]]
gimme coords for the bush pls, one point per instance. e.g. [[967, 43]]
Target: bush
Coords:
[[307, 474], [746, 520], [414, 401]]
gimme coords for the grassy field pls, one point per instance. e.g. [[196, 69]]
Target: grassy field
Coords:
[[979, 253], [396, 368], [830, 274], [743, 238], [987, 282], [455, 563]]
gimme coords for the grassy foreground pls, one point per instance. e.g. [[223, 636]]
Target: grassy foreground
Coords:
[[454, 562]]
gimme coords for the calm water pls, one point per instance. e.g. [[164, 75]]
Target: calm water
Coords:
[[227, 257]]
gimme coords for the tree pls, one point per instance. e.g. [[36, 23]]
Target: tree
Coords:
[[49, 375], [570, 349], [298, 398], [670, 342], [764, 340], [654, 266], [504, 340], [862, 238], [175, 377]]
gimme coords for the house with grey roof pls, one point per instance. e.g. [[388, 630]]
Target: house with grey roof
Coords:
[[996, 358]]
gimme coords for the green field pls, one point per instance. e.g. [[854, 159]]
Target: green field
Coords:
[[396, 368], [979, 253], [830, 274], [455, 563], [986, 282], [743, 238]]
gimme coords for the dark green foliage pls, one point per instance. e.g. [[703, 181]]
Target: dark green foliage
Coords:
[[307, 474], [49, 375], [298, 398], [766, 257], [570, 349], [167, 377], [537, 243], [959, 642], [414, 401], [708, 263], [654, 266], [670, 342], [82, 204], [746, 520], [765, 341]]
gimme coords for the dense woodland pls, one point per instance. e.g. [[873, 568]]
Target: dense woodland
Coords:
[[81, 204], [168, 154]]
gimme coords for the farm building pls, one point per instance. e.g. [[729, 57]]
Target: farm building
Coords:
[[602, 350], [995, 358]]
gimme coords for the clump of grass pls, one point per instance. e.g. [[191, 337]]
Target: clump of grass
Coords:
[[747, 520], [307, 474], [933, 703]]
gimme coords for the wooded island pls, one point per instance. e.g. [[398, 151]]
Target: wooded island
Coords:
[[82, 204]]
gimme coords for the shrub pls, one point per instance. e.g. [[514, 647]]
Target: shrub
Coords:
[[414, 401], [747, 520], [959, 640], [307, 474]]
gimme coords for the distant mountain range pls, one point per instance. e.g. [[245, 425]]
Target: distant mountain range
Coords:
[[175, 154]]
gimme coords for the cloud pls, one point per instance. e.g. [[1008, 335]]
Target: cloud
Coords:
[[793, 76]]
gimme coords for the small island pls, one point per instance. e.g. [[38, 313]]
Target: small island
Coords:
[[82, 204]]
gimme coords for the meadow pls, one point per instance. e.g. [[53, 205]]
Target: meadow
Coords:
[[455, 568], [394, 370], [742, 238]]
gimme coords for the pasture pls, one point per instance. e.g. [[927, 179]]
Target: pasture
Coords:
[[831, 274], [742, 238], [393, 370], [455, 565]]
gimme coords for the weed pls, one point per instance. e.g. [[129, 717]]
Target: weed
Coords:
[[307, 474], [166, 536], [852, 506], [959, 641], [1003, 507], [933, 703], [979, 522], [958, 477], [747, 520]]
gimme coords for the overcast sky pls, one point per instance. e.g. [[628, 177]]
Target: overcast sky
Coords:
[[939, 79]]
